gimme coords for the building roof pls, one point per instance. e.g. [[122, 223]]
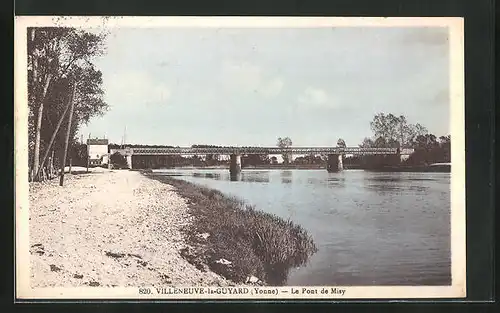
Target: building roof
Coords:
[[97, 141]]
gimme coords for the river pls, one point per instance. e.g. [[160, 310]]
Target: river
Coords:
[[370, 228]]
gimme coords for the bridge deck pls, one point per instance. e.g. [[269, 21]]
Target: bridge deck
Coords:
[[264, 150]]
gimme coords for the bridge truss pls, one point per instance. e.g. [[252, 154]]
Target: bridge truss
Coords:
[[264, 150]]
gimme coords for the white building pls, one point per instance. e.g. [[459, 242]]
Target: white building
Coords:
[[97, 151]]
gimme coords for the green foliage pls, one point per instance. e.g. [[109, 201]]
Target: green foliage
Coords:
[[395, 132], [78, 154], [255, 159], [274, 160], [285, 142], [341, 143], [66, 54], [429, 149], [393, 129], [309, 159], [117, 159]]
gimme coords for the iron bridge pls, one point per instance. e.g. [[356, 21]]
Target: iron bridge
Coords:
[[265, 150]]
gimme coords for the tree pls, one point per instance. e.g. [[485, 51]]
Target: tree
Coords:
[[373, 161], [117, 159], [380, 142], [396, 128], [367, 143], [430, 149], [285, 143], [274, 160], [57, 57], [78, 154], [341, 143], [385, 126]]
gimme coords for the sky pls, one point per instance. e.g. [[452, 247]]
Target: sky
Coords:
[[249, 86]]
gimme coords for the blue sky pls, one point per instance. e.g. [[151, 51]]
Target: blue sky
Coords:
[[184, 86]]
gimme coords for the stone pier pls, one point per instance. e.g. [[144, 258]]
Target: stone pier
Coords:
[[129, 161], [334, 163], [235, 164]]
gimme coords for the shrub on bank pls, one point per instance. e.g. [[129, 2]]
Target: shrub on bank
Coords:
[[256, 243]]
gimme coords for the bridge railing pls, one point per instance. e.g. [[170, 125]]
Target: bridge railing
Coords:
[[263, 150]]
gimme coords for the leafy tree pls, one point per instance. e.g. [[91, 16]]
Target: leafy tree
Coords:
[[367, 143], [395, 128], [429, 149], [285, 142], [308, 159], [380, 142], [210, 159], [79, 154], [57, 58], [385, 126], [255, 159], [274, 160], [117, 159], [395, 132], [341, 143]]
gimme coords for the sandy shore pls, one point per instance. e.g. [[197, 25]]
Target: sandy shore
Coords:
[[110, 228]]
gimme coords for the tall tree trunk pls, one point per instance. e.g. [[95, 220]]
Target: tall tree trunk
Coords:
[[61, 181], [39, 127], [47, 150]]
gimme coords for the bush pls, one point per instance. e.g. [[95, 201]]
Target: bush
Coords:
[[118, 160]]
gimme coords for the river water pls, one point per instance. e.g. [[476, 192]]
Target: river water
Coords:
[[370, 228]]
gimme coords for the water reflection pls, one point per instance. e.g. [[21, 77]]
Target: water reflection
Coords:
[[329, 181], [336, 182], [286, 176], [398, 182], [235, 176], [215, 176], [255, 177]]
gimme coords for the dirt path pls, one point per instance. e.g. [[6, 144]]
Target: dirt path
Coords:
[[114, 228]]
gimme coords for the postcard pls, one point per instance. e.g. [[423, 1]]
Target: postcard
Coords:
[[267, 158]]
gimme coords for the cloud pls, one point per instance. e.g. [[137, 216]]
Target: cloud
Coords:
[[135, 88], [312, 96], [273, 87], [250, 78]]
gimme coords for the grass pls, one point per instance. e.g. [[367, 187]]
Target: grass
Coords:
[[257, 243]]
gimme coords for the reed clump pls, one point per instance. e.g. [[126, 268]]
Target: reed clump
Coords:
[[255, 243]]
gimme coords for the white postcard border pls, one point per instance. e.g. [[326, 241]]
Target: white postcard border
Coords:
[[457, 130]]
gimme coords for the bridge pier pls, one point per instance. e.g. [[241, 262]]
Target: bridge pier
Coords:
[[235, 164], [129, 161], [334, 163]]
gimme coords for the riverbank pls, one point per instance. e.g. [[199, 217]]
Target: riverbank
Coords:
[[236, 240], [110, 228]]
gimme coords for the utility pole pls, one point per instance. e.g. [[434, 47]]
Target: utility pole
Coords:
[[88, 158], [63, 163], [52, 165]]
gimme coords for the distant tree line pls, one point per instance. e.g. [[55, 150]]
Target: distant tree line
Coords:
[[390, 131]]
